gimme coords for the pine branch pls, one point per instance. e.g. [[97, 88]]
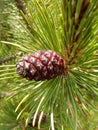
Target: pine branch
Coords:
[[64, 99], [80, 11], [24, 13], [21, 6], [75, 18], [23, 126], [10, 58]]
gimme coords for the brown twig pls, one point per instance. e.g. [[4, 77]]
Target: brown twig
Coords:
[[21, 6], [23, 126], [10, 58], [85, 4]]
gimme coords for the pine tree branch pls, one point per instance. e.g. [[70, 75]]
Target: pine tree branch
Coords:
[[10, 58], [23, 126], [5, 94], [84, 6], [69, 97], [21, 6]]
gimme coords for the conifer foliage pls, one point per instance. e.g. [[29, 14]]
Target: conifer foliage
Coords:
[[67, 32]]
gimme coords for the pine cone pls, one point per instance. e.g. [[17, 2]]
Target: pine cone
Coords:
[[43, 120], [42, 65]]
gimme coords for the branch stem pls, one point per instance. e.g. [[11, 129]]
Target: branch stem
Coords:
[[21, 6]]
